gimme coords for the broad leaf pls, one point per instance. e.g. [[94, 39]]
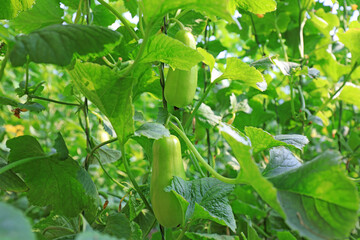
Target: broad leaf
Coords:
[[110, 93], [281, 160], [262, 140], [13, 224], [237, 70], [208, 236], [118, 225], [61, 184], [42, 14], [94, 236], [61, 148], [170, 51], [9, 181], [259, 6], [207, 117], [298, 141], [208, 58], [318, 198], [152, 131], [351, 39], [155, 9], [10, 8], [57, 44], [207, 198], [249, 172], [350, 94]]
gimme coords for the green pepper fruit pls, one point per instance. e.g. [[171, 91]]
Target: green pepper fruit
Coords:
[[180, 85], [167, 163]]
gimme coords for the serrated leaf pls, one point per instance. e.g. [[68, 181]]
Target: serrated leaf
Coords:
[[170, 51], [152, 131], [281, 160], [237, 70], [10, 8], [249, 172], [63, 185], [207, 117], [208, 58], [207, 198], [350, 94], [9, 181], [318, 198], [351, 39], [110, 93], [57, 44], [42, 14], [60, 147], [259, 6], [155, 9], [13, 224], [205, 236], [298, 141]]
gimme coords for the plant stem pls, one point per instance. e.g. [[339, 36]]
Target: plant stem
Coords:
[[121, 18], [293, 113], [107, 174], [132, 179], [185, 228], [346, 79], [54, 101], [182, 27], [21, 162], [27, 77], [199, 157], [256, 36]]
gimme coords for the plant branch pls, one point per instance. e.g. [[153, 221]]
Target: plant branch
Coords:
[[132, 179], [121, 18], [54, 101], [199, 157], [3, 64], [21, 162]]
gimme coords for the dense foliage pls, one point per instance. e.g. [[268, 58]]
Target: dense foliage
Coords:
[[270, 143]]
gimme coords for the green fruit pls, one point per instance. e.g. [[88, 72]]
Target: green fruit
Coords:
[[180, 85], [167, 163]]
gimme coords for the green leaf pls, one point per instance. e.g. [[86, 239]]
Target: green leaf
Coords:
[[155, 9], [170, 51], [8, 101], [9, 181], [57, 44], [298, 141], [350, 94], [281, 160], [110, 93], [262, 140], [207, 117], [249, 171], [105, 154], [10, 8], [208, 236], [13, 224], [119, 226], [318, 198], [42, 14], [61, 148], [351, 39], [32, 106], [259, 6], [92, 235], [207, 198], [237, 70], [208, 58], [285, 236], [102, 16], [252, 234], [63, 185], [152, 131]]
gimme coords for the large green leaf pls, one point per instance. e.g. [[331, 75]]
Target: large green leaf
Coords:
[[42, 14], [318, 198], [13, 224], [237, 70], [57, 44], [207, 198], [258, 6], [351, 39], [118, 225], [170, 51], [249, 171], [10, 8], [350, 94], [155, 9], [110, 93], [9, 181], [61, 184]]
